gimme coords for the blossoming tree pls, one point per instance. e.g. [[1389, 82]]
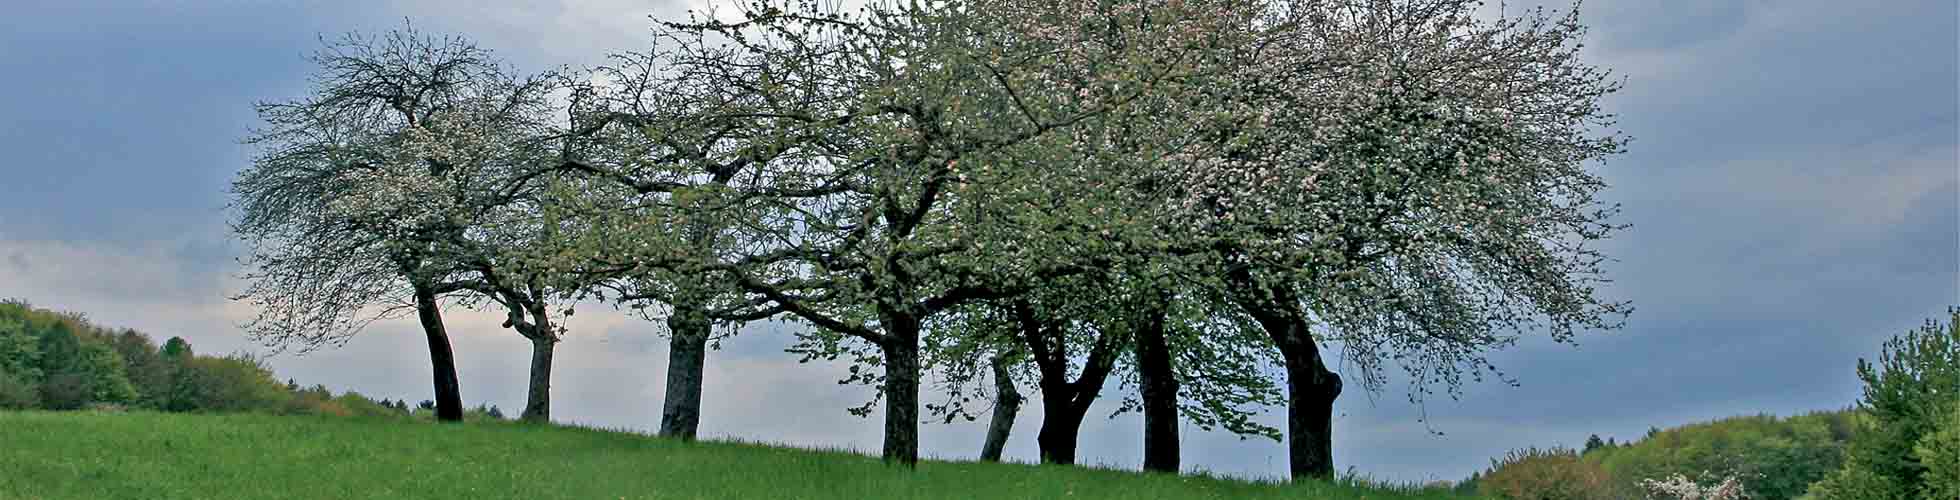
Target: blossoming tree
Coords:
[[404, 173], [1409, 182]]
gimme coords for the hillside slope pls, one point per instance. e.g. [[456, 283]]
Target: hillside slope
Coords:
[[155, 455]]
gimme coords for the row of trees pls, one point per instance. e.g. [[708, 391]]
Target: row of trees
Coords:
[[61, 361], [1901, 442], [1191, 196]]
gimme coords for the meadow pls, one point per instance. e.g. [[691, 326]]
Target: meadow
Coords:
[[91, 455]]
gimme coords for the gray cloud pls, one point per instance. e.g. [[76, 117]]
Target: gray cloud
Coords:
[[1673, 25]]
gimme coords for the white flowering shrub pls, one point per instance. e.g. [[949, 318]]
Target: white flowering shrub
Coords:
[[1679, 487]]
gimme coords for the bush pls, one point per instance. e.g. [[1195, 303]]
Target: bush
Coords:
[[358, 405], [1548, 474], [1679, 487], [1859, 483], [65, 391], [17, 394], [228, 384]]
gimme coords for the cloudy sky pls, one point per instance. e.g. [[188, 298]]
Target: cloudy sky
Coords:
[[1793, 189]]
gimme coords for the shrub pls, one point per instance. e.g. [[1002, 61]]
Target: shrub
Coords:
[[232, 383], [1679, 487], [1548, 474], [17, 394], [1859, 483], [359, 405], [65, 391]]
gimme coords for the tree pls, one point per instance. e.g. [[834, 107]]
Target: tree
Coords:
[[395, 186], [1077, 347], [678, 132], [1007, 404], [1047, 333], [1408, 181], [1157, 384], [77, 373], [1592, 443], [20, 358], [1940, 453], [147, 370], [177, 350], [928, 127], [1908, 392]]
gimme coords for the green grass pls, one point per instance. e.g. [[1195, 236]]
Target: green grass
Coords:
[[152, 455]]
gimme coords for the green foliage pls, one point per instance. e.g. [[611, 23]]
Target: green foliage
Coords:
[[1775, 458], [77, 366], [1908, 393], [1939, 452], [60, 361], [170, 456], [1544, 474], [1593, 443], [360, 406], [1859, 483], [147, 370], [17, 393], [177, 349], [20, 348], [231, 383]]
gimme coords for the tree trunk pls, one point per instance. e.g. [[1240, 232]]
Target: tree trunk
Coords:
[[1310, 387], [1061, 426], [687, 353], [901, 351], [1311, 390], [537, 408], [449, 397], [1064, 402], [1007, 403], [690, 327], [1158, 385]]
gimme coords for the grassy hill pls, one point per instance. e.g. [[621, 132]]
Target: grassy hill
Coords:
[[156, 455]]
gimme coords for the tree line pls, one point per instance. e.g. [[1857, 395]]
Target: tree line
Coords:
[[1198, 198], [62, 361], [1901, 441]]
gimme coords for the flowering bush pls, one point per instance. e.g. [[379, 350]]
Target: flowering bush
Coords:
[[1679, 487]]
